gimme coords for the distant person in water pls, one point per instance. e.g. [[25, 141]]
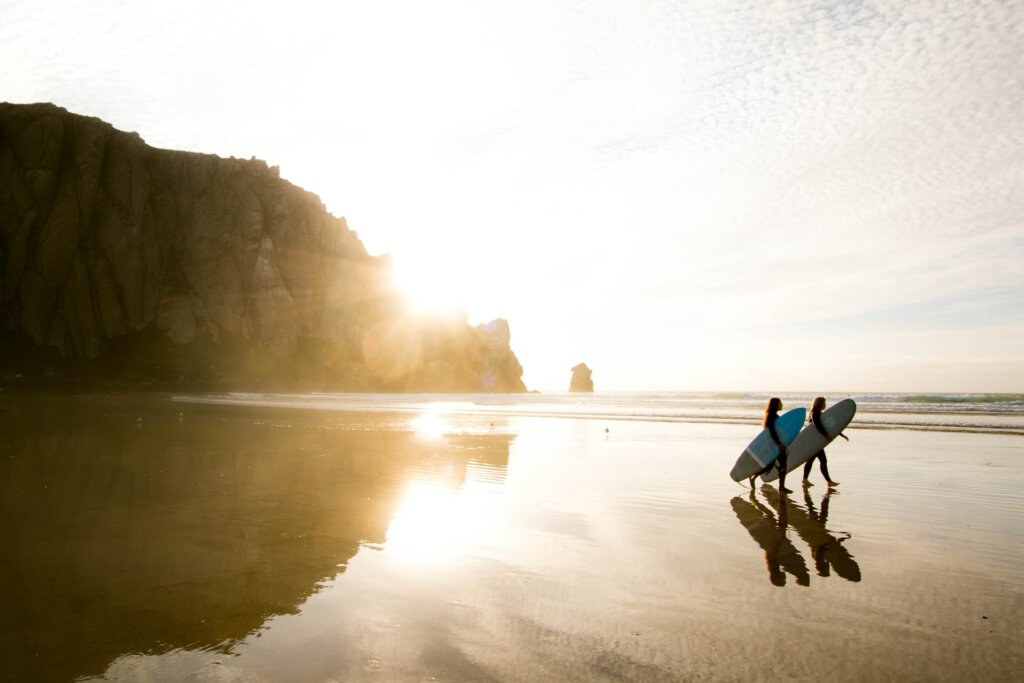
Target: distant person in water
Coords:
[[815, 419], [771, 414]]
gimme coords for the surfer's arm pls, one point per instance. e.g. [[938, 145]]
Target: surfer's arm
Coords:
[[816, 419], [775, 437]]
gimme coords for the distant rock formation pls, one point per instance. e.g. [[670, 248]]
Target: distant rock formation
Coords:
[[581, 381], [122, 261]]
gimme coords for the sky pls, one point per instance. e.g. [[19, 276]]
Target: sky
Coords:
[[702, 195]]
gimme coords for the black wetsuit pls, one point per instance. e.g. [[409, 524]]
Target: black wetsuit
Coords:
[[780, 463], [820, 455]]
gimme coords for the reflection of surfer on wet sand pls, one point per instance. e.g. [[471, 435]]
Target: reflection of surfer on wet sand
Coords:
[[826, 547], [780, 556]]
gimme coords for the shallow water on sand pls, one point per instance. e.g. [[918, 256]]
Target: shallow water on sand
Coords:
[[144, 539]]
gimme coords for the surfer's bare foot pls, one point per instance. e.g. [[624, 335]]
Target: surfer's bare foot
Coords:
[[783, 489], [833, 483], [807, 483]]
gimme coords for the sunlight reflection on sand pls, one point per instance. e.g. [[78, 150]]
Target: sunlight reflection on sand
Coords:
[[281, 544]]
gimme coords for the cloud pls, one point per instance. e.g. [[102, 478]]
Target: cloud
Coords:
[[663, 162]]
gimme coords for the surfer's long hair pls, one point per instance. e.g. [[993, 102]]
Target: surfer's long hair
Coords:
[[817, 407], [772, 410]]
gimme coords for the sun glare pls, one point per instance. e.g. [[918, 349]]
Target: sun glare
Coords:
[[433, 521], [430, 292], [430, 424]]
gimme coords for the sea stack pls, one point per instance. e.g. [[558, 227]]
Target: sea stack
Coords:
[[581, 382]]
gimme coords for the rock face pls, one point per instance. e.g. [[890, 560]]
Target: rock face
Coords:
[[581, 381], [119, 260]]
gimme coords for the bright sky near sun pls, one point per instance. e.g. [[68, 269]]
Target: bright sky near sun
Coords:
[[707, 195]]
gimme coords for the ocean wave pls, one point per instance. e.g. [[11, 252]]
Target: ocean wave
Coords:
[[888, 411], [1009, 399]]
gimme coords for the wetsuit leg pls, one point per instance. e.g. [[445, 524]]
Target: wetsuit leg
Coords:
[[781, 463], [807, 466], [824, 466]]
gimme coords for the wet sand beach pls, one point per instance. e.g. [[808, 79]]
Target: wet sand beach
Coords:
[[149, 539]]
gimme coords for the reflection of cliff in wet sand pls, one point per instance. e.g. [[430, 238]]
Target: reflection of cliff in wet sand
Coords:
[[126, 534], [826, 548], [780, 556]]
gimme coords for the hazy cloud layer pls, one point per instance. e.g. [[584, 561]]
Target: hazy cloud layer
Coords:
[[647, 186]]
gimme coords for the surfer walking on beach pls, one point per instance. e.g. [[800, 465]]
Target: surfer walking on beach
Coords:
[[771, 414], [815, 419]]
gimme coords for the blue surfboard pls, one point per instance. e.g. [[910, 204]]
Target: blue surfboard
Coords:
[[762, 451]]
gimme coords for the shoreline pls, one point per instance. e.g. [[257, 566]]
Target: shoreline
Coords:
[[587, 407]]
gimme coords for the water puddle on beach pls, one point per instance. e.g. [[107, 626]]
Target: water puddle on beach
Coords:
[[145, 539]]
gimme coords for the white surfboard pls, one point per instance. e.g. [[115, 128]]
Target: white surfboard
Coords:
[[762, 451], [810, 440]]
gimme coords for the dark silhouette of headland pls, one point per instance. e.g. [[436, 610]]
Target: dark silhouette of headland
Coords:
[[120, 262]]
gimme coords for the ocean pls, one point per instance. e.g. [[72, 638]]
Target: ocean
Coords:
[[986, 413]]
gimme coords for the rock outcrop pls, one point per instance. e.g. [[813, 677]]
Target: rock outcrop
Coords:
[[122, 261], [581, 381]]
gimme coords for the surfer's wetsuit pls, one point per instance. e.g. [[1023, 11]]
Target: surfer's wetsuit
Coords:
[[820, 455], [780, 463]]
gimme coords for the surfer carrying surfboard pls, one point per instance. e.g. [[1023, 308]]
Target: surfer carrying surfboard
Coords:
[[815, 419], [771, 414]]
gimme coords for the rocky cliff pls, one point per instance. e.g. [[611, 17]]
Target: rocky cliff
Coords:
[[122, 261]]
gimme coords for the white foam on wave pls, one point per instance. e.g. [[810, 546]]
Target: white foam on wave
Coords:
[[969, 413]]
